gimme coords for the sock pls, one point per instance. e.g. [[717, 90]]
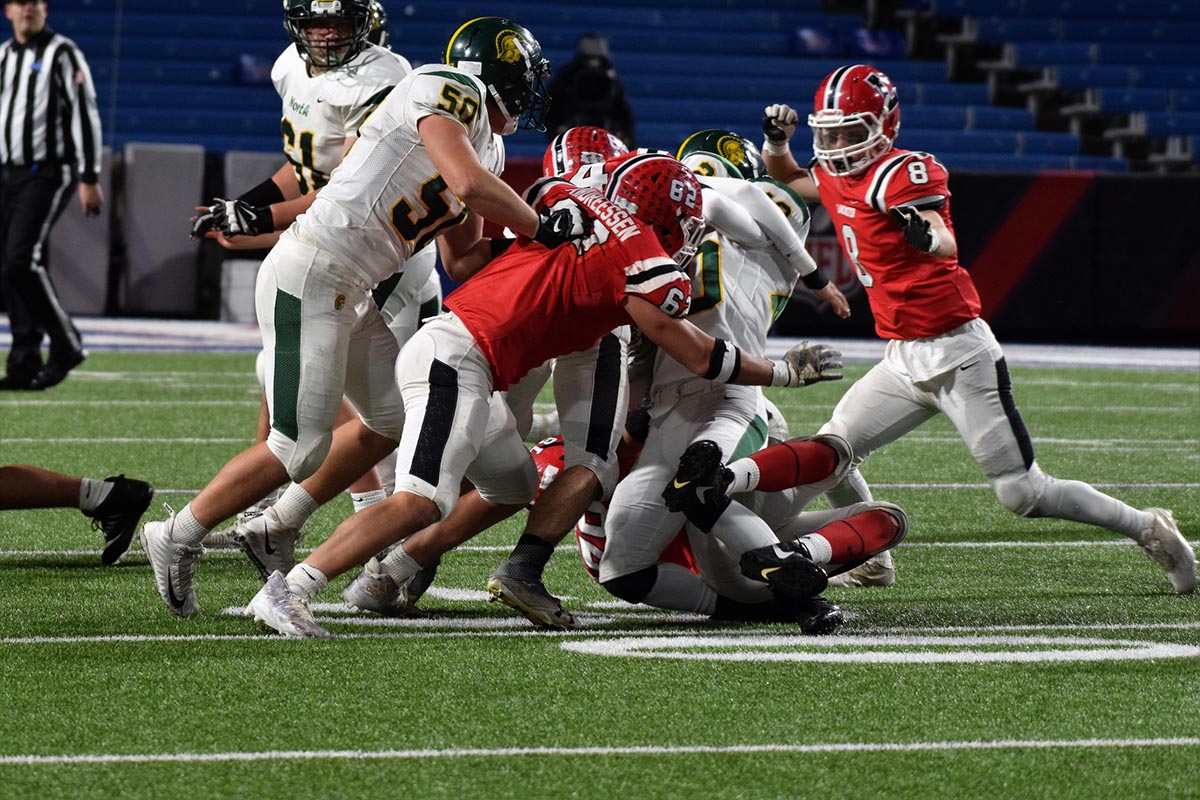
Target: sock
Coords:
[[92, 493], [793, 463], [295, 507], [745, 476], [400, 566], [186, 529], [306, 581], [364, 500], [851, 539], [528, 558]]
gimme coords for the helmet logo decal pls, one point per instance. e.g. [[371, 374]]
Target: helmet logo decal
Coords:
[[510, 48], [732, 149]]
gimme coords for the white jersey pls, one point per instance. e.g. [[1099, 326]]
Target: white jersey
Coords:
[[320, 112], [387, 200], [746, 267]]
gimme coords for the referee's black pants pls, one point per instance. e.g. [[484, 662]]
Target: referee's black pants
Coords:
[[32, 199]]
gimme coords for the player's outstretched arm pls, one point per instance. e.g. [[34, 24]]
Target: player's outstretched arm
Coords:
[[779, 123], [721, 361]]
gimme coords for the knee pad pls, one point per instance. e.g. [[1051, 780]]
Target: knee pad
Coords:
[[299, 461], [634, 587], [1022, 493]]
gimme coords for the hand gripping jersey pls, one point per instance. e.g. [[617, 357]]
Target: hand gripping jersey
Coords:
[[387, 200], [913, 295], [746, 267], [321, 111], [532, 304]]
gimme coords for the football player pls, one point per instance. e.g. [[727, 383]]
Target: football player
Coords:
[[744, 272], [519, 309], [329, 80], [891, 210], [424, 157], [591, 389]]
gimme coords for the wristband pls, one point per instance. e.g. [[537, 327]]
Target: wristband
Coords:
[[781, 373], [815, 280], [264, 194], [725, 362], [777, 149]]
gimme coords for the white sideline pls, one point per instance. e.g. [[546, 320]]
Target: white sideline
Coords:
[[647, 750]]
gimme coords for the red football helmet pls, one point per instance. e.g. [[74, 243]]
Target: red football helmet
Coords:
[[855, 119], [574, 147], [663, 193], [550, 456]]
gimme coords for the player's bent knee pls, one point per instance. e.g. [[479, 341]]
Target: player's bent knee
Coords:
[[1022, 493], [516, 488], [299, 461], [633, 587]]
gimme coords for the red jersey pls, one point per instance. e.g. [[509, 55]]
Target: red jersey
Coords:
[[531, 304], [912, 294]]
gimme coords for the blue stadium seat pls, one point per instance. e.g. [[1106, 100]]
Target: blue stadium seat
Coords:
[[1046, 142], [1171, 123], [1123, 101], [1076, 77], [984, 117]]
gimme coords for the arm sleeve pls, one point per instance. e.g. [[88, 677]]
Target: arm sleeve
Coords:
[[84, 119], [773, 229]]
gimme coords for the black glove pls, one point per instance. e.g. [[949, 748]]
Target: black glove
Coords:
[[778, 124], [203, 223], [916, 228], [239, 218], [561, 223]]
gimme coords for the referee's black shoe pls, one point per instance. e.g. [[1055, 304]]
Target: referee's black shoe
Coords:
[[56, 369]]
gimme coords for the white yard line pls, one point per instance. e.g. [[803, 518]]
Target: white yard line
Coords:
[[605, 751]]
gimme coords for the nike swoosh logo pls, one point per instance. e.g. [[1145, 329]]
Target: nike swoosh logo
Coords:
[[267, 539], [766, 573], [679, 485], [968, 366], [174, 600]]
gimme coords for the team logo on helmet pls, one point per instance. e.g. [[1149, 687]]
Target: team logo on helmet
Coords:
[[510, 48], [731, 147]]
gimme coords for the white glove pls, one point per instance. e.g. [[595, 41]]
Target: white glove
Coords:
[[807, 363]]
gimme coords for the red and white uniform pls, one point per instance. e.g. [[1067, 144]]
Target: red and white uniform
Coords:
[[942, 357], [913, 295], [526, 306]]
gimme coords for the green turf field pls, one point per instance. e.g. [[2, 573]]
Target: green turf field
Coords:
[[1014, 657]]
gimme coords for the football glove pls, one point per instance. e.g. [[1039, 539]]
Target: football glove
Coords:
[[561, 223], [808, 363], [203, 223], [779, 123], [239, 218], [916, 228]]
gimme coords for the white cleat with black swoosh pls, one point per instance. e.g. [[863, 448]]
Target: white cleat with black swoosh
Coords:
[[174, 565], [268, 544]]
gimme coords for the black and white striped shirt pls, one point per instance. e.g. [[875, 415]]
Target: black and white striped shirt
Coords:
[[48, 105]]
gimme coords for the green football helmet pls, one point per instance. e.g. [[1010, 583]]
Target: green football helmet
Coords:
[[509, 61], [327, 53], [377, 30], [722, 154]]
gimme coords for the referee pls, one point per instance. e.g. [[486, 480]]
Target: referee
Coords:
[[49, 140]]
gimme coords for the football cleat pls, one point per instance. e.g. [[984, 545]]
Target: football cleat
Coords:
[[786, 568], [531, 600], [416, 587], [817, 616], [698, 488], [226, 539], [266, 542], [279, 608], [375, 591], [118, 515], [872, 572], [1165, 546], [174, 565]]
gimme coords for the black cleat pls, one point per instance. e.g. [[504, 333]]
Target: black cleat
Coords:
[[16, 382], [786, 568], [817, 616], [118, 515], [698, 488]]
